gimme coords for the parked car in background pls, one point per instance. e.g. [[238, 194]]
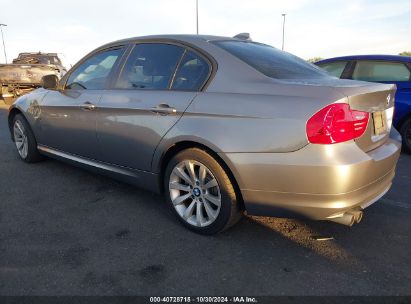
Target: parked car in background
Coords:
[[219, 125], [383, 69], [25, 73]]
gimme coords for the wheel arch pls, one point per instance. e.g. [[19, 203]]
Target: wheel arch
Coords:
[[187, 144], [12, 113]]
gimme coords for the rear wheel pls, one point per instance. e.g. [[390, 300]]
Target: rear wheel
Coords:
[[24, 140], [406, 135], [200, 192]]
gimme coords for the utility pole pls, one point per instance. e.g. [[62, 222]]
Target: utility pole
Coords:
[[197, 15], [282, 48], [2, 37]]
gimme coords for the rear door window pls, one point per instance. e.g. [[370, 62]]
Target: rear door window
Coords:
[[334, 68], [150, 66], [381, 71], [192, 73]]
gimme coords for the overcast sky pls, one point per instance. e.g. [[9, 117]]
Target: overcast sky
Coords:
[[323, 28]]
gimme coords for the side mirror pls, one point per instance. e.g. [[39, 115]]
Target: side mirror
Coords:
[[50, 82]]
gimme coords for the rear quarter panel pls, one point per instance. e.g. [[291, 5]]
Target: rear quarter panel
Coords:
[[245, 123], [248, 123]]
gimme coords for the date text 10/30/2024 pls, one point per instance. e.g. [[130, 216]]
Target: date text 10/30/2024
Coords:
[[203, 300]]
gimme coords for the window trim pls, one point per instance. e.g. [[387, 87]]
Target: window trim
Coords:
[[121, 47], [406, 64], [349, 68], [173, 77], [212, 64]]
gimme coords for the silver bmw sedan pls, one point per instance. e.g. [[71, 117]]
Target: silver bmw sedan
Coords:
[[220, 126]]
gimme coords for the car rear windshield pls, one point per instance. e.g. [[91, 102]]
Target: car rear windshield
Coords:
[[271, 61]]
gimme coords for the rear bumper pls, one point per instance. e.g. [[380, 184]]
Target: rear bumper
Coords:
[[316, 182]]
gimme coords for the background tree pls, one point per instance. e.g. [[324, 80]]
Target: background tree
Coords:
[[405, 53]]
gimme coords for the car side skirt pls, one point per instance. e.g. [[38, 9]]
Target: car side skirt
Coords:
[[142, 179]]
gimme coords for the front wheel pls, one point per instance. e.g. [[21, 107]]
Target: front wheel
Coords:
[[406, 135], [200, 192]]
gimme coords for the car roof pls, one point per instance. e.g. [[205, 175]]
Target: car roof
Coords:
[[180, 37], [177, 37], [369, 57]]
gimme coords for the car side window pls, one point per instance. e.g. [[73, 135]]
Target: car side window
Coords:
[[192, 73], [334, 68], [381, 71], [150, 66], [92, 74]]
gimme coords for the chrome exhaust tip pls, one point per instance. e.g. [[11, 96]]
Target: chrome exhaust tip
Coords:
[[348, 218], [357, 215]]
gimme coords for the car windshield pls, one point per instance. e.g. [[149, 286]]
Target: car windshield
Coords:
[[271, 61]]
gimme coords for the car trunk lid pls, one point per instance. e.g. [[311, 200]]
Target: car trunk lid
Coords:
[[378, 100]]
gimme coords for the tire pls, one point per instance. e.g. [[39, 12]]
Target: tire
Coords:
[[24, 140], [208, 206], [406, 136]]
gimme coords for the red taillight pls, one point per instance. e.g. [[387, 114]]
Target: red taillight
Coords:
[[336, 123]]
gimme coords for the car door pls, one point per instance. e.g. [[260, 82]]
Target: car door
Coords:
[[68, 116], [398, 73], [154, 88]]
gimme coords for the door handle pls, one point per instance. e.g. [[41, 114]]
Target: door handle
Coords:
[[163, 109], [87, 106]]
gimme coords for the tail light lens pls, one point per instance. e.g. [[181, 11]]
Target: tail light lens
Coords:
[[336, 123]]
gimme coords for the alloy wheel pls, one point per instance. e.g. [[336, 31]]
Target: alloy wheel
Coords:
[[20, 139], [195, 193]]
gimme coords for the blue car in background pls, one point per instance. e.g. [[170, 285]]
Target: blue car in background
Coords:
[[384, 69]]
